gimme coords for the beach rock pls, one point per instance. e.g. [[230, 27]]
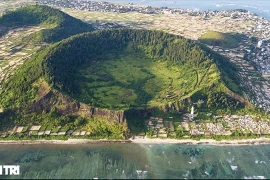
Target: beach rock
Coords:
[[193, 152], [32, 156]]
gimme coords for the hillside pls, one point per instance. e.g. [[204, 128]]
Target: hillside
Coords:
[[214, 38], [57, 25], [108, 73]]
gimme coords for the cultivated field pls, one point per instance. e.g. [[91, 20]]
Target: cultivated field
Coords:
[[133, 79], [14, 50], [191, 27], [8, 5]]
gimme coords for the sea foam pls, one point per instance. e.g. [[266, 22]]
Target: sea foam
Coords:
[[254, 177], [234, 168]]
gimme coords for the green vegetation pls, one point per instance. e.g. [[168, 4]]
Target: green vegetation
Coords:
[[214, 38], [159, 69], [120, 69], [55, 130], [57, 24], [25, 129], [107, 129], [131, 79], [43, 128]]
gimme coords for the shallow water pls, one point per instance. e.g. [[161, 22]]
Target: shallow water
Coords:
[[116, 160]]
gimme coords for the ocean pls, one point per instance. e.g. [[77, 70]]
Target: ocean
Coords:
[[260, 7], [135, 161]]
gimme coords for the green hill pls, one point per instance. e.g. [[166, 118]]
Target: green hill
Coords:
[[214, 38], [57, 24], [108, 73]]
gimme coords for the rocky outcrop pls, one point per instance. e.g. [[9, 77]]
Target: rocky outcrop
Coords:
[[117, 116], [88, 111], [43, 104], [63, 104]]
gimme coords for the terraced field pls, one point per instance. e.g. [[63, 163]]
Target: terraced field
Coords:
[[14, 50], [133, 79], [7, 5], [191, 27]]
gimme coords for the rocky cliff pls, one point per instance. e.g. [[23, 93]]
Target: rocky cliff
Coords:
[[63, 104]]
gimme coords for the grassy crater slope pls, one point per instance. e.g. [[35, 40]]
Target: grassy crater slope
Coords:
[[57, 24], [122, 69], [215, 38]]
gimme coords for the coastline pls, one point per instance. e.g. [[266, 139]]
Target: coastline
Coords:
[[213, 142], [258, 141], [69, 141]]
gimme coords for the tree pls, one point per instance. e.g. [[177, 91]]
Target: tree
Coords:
[[79, 121]]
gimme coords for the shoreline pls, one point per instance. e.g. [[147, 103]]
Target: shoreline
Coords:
[[258, 141], [68, 141]]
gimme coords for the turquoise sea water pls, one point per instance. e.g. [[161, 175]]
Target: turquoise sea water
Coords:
[[116, 160]]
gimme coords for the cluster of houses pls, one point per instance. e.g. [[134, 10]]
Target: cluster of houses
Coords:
[[247, 52], [100, 6], [206, 129], [224, 125], [43, 130], [160, 127], [257, 91], [247, 124], [260, 27], [123, 8], [262, 57]]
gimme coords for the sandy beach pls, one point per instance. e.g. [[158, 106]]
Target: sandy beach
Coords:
[[69, 141], [204, 141], [257, 141]]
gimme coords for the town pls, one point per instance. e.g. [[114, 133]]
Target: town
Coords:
[[158, 127], [260, 27], [252, 60], [229, 125]]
